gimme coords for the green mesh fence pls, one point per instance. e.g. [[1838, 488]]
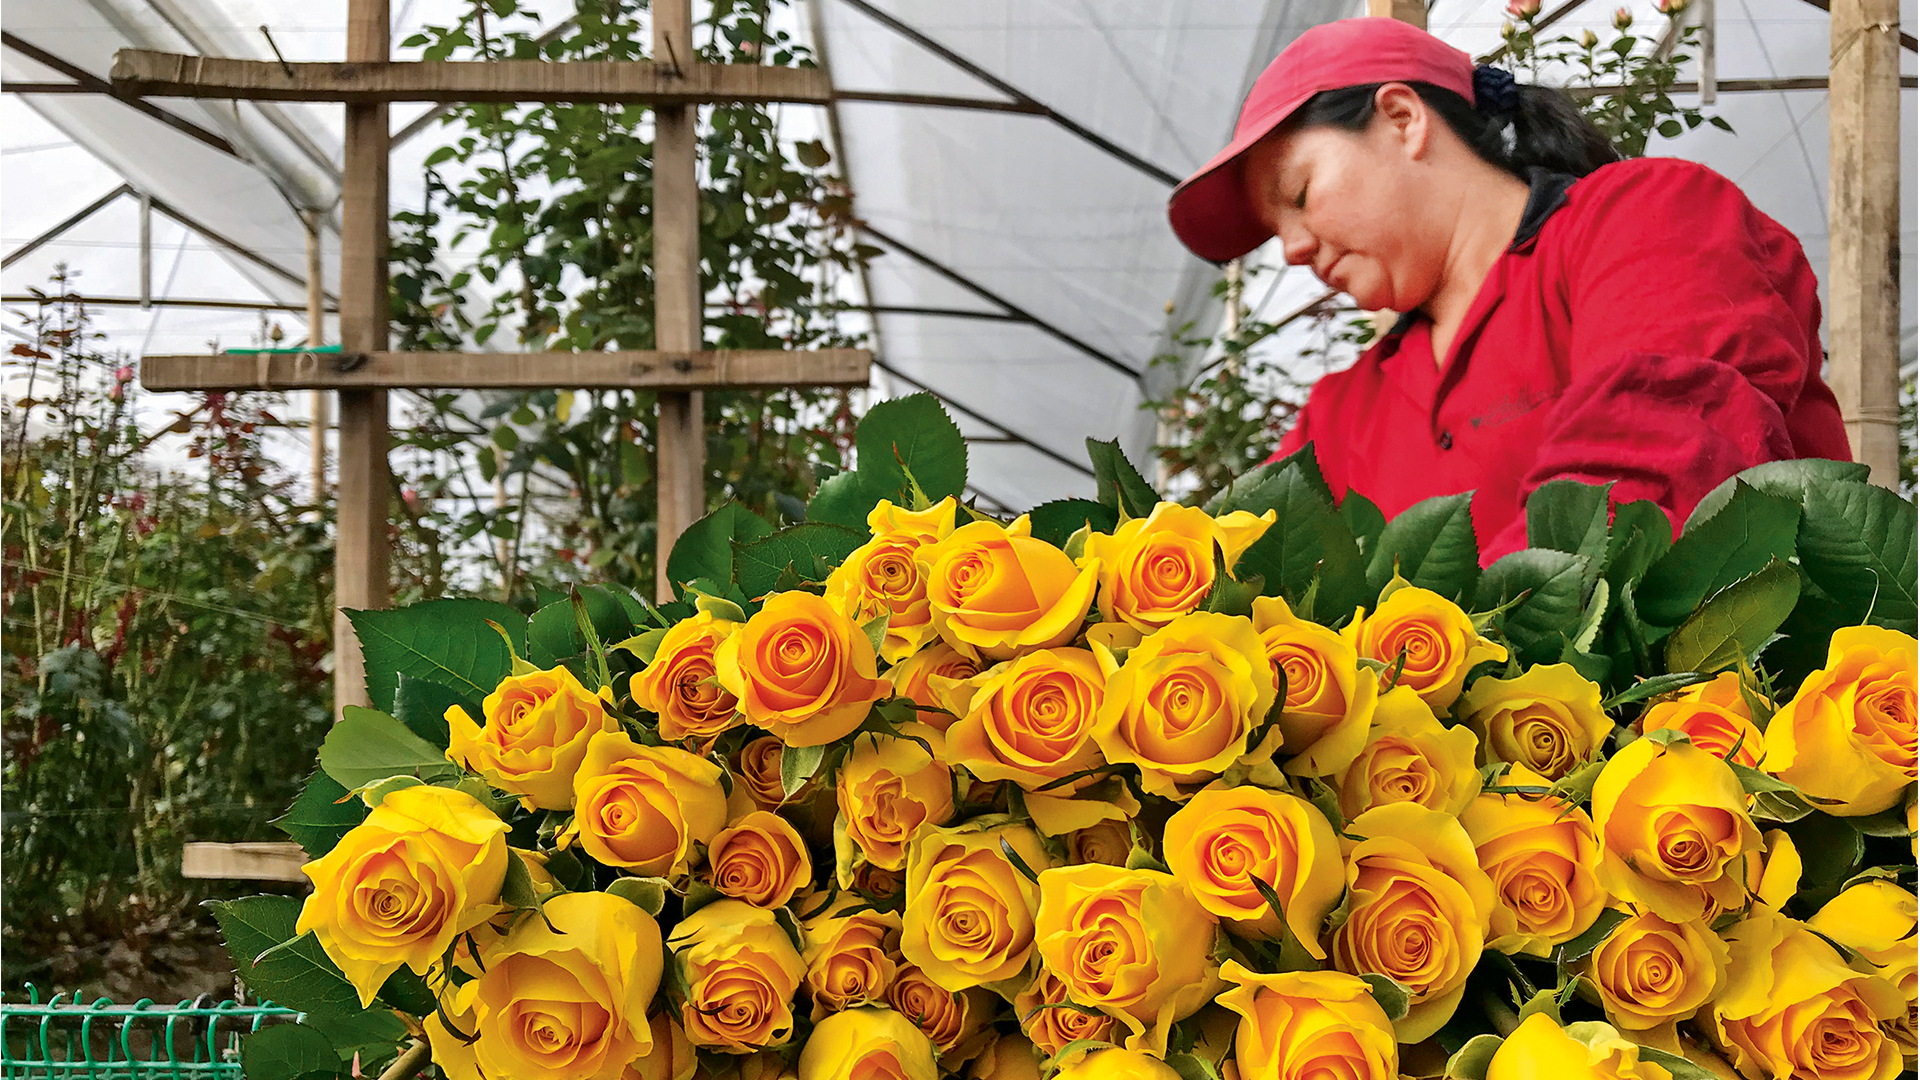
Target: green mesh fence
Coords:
[[67, 1037]]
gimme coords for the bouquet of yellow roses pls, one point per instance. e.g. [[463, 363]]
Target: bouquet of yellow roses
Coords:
[[1129, 789]]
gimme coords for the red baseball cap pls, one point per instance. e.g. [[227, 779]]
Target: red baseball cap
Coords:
[[1209, 210]]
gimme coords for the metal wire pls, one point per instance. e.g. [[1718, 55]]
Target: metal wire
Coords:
[[69, 1037]]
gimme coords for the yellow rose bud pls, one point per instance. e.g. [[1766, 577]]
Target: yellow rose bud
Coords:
[[956, 1021], [1028, 720], [1309, 1024], [867, 1044], [644, 807], [969, 912], [740, 971], [1876, 920], [1115, 1063], [881, 577], [801, 670], [1159, 567], [849, 956], [1549, 719], [1410, 757], [1052, 1019], [997, 592], [1539, 1048], [1650, 971], [1674, 831], [423, 868], [1722, 732], [1722, 691], [760, 859], [1792, 1007], [1224, 838], [672, 1056], [680, 685], [564, 995], [1329, 698], [1109, 842], [1185, 702], [888, 789], [1419, 906], [915, 679], [1011, 1057], [1544, 860], [1847, 738], [537, 729], [1435, 637], [1134, 943], [757, 768]]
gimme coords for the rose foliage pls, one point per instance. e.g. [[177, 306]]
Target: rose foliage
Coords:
[[1121, 788]]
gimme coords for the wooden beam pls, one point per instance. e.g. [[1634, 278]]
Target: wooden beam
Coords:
[[680, 429], [146, 73], [1407, 11], [1863, 230], [635, 370], [362, 480], [1724, 86], [254, 861]]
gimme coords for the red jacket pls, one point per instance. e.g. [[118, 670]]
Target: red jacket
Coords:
[[1648, 326]]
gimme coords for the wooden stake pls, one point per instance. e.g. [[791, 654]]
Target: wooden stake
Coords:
[[360, 553], [1863, 211], [319, 408], [681, 467], [1407, 11]]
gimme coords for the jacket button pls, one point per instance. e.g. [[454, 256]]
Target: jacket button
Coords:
[[1446, 440]]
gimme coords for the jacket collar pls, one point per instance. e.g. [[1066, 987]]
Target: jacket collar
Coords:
[[1546, 193]]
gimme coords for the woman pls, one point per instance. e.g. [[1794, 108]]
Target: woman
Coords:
[[1568, 315]]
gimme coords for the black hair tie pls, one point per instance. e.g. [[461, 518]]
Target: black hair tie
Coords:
[[1494, 91]]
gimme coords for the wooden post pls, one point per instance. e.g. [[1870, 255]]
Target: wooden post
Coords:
[[1863, 214], [680, 469], [360, 554], [319, 408], [1408, 11]]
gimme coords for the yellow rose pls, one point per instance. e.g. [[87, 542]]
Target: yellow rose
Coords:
[[1109, 842], [1011, 1057], [1585, 1051], [879, 884], [1184, 704], [849, 955], [915, 679], [1847, 738], [1650, 971], [801, 670], [1721, 731], [1722, 691], [1115, 1063], [867, 1044], [1674, 831], [672, 1056], [1133, 943], [1329, 698], [969, 913], [1419, 907], [644, 807], [1876, 920], [422, 869], [759, 859], [537, 729], [1305, 1024], [1028, 720], [740, 971], [1052, 1019], [1156, 568], [1549, 719], [881, 577], [757, 768], [1436, 638], [956, 1021], [1543, 858], [888, 789], [1224, 838], [1792, 1007], [1410, 757], [997, 592], [680, 685], [564, 995]]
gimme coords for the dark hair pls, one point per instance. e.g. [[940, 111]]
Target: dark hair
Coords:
[[1542, 129]]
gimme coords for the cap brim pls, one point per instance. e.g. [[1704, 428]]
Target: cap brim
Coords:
[[1210, 212]]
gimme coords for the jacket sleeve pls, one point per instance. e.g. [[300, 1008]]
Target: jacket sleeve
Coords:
[[1693, 334]]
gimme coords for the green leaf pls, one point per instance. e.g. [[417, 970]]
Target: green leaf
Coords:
[[1654, 687], [806, 549], [1119, 484], [447, 641], [1677, 1067], [1753, 781], [553, 634], [1470, 1061], [422, 705], [1538, 624], [1058, 520], [1308, 538], [1566, 515], [797, 766], [1393, 996], [1434, 546], [1736, 621], [1589, 939], [1641, 533], [846, 499], [1752, 530], [366, 746], [288, 1052], [1787, 479], [705, 550], [299, 975], [318, 818], [916, 432], [1192, 1067], [516, 889], [649, 894], [644, 645], [1831, 851], [1364, 520], [1858, 543]]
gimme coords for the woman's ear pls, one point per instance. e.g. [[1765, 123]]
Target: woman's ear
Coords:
[[1403, 116]]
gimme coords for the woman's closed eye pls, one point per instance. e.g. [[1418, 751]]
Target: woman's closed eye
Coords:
[[1300, 200]]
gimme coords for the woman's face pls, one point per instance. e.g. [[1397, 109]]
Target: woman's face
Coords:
[[1349, 204]]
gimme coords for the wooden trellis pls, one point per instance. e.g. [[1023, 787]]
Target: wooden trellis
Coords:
[[364, 371]]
